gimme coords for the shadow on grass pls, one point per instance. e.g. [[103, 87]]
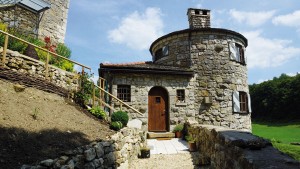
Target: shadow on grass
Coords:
[[276, 123], [18, 146]]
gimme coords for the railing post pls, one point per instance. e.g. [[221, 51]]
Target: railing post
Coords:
[[47, 67], [82, 71], [121, 106], [4, 50], [94, 91]]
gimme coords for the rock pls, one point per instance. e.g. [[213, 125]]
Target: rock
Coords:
[[110, 159], [89, 165], [90, 154], [99, 150], [136, 123], [19, 88], [47, 163]]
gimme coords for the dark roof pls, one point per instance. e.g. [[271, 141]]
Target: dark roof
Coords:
[[144, 68], [206, 30]]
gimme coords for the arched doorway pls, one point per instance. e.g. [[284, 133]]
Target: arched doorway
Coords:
[[158, 111]]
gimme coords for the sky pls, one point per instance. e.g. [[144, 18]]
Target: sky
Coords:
[[118, 31]]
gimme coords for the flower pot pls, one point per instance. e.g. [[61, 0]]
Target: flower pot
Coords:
[[145, 153], [192, 146], [178, 134]]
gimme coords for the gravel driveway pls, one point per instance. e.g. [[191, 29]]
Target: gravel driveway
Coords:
[[168, 161]]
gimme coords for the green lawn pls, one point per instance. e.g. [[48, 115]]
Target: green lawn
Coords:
[[281, 135]]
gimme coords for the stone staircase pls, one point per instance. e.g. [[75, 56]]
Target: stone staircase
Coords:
[[153, 135]]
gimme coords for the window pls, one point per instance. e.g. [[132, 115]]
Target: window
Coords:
[[180, 95], [241, 102], [162, 52], [240, 53], [237, 52], [123, 92]]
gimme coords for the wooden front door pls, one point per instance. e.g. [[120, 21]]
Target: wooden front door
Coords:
[[157, 109]]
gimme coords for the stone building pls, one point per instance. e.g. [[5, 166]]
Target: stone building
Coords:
[[36, 17], [198, 74]]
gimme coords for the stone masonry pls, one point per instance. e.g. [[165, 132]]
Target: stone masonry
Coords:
[[53, 21], [115, 153], [28, 66], [226, 148]]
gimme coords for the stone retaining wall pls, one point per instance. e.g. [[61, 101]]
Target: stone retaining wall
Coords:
[[26, 65], [227, 148], [115, 153]]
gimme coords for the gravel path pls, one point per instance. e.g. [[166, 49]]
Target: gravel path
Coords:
[[167, 161]]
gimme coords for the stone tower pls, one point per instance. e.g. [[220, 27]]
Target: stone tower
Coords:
[[46, 18], [198, 18], [219, 89]]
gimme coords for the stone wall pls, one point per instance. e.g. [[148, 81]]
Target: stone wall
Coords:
[[17, 17], [53, 21], [226, 148], [217, 76], [26, 65], [115, 153], [142, 84]]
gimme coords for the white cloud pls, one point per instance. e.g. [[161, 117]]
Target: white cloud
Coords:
[[292, 19], [293, 74], [263, 52], [251, 18], [138, 30]]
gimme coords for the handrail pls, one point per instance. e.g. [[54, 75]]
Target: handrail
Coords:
[[107, 105], [119, 100], [44, 49]]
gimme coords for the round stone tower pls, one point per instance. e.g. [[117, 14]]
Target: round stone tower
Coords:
[[217, 57]]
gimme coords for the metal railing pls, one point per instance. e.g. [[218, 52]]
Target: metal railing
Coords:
[[7, 35]]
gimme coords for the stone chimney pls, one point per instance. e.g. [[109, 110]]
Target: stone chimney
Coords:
[[199, 18]]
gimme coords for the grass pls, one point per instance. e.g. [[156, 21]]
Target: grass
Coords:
[[281, 135]]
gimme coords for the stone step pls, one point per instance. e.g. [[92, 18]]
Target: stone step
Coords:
[[152, 135]]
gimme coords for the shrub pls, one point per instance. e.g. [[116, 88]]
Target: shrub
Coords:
[[98, 112], [84, 94], [63, 50], [116, 125], [178, 127], [120, 116]]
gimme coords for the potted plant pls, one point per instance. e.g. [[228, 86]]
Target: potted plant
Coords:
[[145, 152], [192, 143], [178, 130]]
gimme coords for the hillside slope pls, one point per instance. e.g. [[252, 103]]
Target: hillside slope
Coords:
[[36, 125]]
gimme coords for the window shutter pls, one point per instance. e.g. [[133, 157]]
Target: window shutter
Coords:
[[232, 50], [249, 103], [236, 102]]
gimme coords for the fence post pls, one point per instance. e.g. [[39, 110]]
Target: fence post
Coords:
[[47, 66], [82, 72], [94, 91], [4, 50]]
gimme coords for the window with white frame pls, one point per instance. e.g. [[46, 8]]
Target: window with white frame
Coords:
[[241, 102], [237, 52]]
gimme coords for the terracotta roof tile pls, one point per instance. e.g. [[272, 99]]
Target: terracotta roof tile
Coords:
[[125, 64]]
